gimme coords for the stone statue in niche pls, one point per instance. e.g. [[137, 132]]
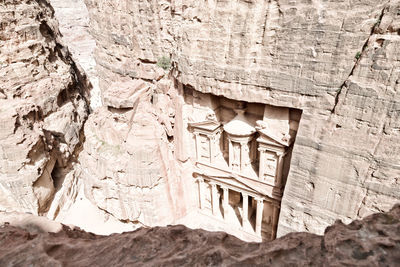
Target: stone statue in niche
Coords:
[[270, 167], [246, 155], [205, 153], [262, 126], [236, 157], [268, 220]]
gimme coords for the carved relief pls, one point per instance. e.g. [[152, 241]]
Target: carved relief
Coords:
[[204, 147], [270, 165]]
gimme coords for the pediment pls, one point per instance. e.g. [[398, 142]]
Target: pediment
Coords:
[[207, 125], [268, 138], [228, 178], [236, 182]]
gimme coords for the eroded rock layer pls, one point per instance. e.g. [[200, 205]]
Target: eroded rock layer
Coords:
[[374, 241], [336, 61], [73, 18], [42, 109]]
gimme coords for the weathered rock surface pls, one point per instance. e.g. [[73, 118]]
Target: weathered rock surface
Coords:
[[126, 170], [374, 241], [128, 167], [42, 108], [124, 94], [336, 61], [73, 18]]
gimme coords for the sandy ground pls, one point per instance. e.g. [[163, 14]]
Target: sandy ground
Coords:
[[90, 218]]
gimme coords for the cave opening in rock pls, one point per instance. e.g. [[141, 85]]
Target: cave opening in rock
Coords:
[[241, 152], [57, 174]]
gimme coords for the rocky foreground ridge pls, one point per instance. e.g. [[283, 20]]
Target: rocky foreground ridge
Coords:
[[374, 241]]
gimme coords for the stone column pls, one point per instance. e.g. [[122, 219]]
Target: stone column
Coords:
[[278, 178], [245, 206], [259, 215], [230, 150], [275, 214], [226, 201], [262, 164], [201, 192], [215, 199], [197, 138]]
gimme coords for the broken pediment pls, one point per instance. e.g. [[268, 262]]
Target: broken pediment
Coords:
[[267, 138], [277, 119], [208, 125]]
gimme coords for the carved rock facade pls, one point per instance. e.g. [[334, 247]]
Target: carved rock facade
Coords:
[[302, 56], [225, 114], [242, 157]]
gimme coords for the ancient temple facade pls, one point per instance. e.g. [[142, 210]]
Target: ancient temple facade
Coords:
[[241, 155]]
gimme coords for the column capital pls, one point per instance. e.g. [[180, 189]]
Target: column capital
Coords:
[[259, 199], [200, 179], [280, 153]]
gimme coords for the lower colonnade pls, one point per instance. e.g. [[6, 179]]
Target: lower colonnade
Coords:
[[214, 197]]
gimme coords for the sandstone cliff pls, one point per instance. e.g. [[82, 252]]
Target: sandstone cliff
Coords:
[[73, 18], [374, 241], [336, 61], [42, 110]]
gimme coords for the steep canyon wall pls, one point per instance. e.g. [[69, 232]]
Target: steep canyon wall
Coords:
[[42, 110], [73, 18], [337, 61]]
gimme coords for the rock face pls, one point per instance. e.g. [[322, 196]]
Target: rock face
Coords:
[[331, 68], [337, 62], [128, 167], [73, 18], [374, 241], [42, 109]]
